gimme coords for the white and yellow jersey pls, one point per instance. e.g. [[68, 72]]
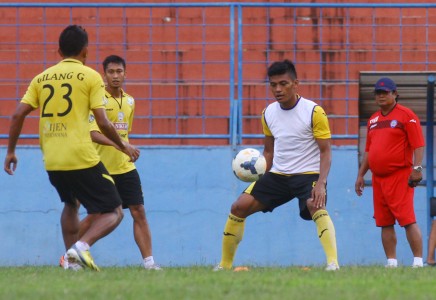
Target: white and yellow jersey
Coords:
[[65, 93], [294, 131], [120, 112]]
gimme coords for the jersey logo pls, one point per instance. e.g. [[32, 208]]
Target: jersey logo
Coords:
[[393, 123], [55, 130], [372, 121], [120, 116], [91, 118], [121, 126], [412, 121], [130, 101]]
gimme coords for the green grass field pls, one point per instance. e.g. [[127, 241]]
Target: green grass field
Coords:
[[371, 283]]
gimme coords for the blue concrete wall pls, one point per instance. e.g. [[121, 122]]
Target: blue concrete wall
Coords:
[[188, 193]]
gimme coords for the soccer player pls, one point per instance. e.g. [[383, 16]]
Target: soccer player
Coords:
[[65, 93], [120, 110], [297, 149], [394, 151]]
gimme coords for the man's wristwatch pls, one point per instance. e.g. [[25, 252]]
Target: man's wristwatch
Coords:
[[417, 168]]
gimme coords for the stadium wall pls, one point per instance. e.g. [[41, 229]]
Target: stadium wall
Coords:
[[188, 192], [197, 70]]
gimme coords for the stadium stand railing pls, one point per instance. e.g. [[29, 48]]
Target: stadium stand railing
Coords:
[[198, 70]]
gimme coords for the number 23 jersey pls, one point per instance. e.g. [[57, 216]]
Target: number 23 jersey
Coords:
[[65, 93]]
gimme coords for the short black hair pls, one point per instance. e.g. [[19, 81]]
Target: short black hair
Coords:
[[72, 40], [282, 67], [113, 59]]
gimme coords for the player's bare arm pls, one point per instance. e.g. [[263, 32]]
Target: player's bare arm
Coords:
[[108, 129], [319, 190], [17, 122], [268, 151], [99, 138]]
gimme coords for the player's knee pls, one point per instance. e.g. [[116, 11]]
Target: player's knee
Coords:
[[240, 209], [137, 212], [311, 206], [236, 209], [119, 213], [72, 206]]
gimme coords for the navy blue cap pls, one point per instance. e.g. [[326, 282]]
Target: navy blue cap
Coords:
[[385, 84]]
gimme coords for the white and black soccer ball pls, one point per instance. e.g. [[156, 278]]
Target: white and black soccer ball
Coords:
[[249, 165]]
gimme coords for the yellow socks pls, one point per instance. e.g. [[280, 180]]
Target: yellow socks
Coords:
[[326, 234], [233, 232]]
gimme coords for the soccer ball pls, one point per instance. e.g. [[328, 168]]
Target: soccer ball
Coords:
[[249, 165]]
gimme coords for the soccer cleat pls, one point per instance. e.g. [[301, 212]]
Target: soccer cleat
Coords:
[[391, 265], [153, 267], [241, 269], [69, 265], [84, 258], [332, 267], [218, 268], [74, 266], [417, 262], [63, 263]]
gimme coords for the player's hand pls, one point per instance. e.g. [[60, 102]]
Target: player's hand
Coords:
[[359, 186], [10, 163], [131, 151], [319, 193]]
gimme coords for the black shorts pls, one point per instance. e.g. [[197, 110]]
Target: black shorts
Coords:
[[274, 190], [129, 188], [93, 187]]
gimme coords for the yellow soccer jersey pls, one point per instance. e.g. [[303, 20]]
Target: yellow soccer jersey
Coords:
[[120, 112], [65, 93]]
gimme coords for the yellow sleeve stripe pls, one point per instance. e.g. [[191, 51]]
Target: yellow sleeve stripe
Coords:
[[265, 127], [321, 129]]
